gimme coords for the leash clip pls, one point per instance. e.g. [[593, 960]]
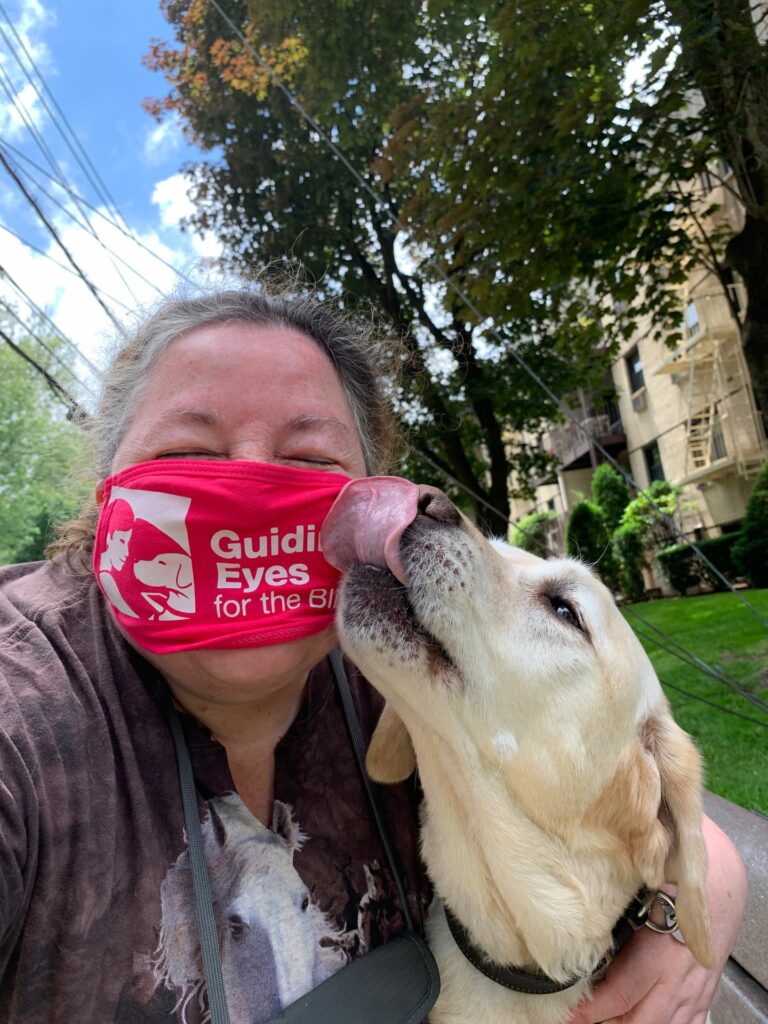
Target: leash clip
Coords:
[[669, 927]]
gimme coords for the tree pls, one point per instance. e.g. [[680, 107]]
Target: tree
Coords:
[[610, 492], [531, 532], [599, 175], [750, 552], [272, 188], [38, 445], [724, 56], [588, 538]]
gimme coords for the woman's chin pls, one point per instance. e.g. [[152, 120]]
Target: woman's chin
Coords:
[[242, 674]]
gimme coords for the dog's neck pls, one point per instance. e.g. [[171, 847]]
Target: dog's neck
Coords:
[[537, 903]]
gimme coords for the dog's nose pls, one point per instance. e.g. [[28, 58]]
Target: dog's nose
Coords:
[[435, 505]]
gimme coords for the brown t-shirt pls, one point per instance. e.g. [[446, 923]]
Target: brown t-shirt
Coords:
[[96, 920]]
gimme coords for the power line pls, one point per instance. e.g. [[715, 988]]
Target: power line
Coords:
[[4, 144], [85, 223], [7, 86], [96, 181], [712, 704], [30, 199], [76, 410], [386, 208], [57, 263], [44, 345], [676, 650], [113, 255], [687, 657], [44, 315]]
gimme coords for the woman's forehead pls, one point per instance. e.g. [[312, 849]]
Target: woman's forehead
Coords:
[[214, 368]]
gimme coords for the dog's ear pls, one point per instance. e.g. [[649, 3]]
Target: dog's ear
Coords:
[[652, 804], [680, 773], [390, 756]]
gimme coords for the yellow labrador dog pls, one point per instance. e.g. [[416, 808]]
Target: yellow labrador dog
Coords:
[[556, 784]]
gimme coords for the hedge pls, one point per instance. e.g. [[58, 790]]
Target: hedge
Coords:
[[684, 569]]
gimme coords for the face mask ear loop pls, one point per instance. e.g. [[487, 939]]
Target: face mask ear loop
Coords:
[[201, 882], [358, 744]]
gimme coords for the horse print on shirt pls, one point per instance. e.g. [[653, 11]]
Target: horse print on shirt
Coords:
[[276, 944]]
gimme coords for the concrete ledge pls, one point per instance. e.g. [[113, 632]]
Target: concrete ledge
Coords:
[[742, 997]]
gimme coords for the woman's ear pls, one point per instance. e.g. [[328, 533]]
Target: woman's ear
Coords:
[[390, 755]]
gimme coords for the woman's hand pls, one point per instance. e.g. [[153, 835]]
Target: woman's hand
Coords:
[[655, 979]]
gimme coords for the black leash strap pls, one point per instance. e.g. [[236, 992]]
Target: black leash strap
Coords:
[[358, 745], [398, 952], [201, 882]]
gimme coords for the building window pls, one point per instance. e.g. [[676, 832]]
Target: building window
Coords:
[[634, 370], [653, 462], [718, 448], [692, 324], [733, 287]]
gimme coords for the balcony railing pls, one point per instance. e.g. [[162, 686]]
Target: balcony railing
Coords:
[[571, 446]]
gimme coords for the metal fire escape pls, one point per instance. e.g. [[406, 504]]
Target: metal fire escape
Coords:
[[723, 427]]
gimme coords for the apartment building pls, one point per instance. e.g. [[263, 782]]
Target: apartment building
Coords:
[[686, 415]]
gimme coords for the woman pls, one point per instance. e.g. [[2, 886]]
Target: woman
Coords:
[[250, 411]]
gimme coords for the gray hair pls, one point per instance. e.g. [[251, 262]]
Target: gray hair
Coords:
[[366, 359]]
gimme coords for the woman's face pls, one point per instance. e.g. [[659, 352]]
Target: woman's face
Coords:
[[266, 394]]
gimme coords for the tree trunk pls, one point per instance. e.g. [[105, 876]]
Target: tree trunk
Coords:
[[727, 63], [747, 253]]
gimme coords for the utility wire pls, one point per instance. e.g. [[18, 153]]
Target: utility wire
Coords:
[[683, 654], [386, 207], [32, 202], [85, 222], [112, 254], [95, 179], [59, 264], [671, 647], [76, 411], [4, 144], [712, 704], [694, 663], [44, 345], [41, 313], [7, 86]]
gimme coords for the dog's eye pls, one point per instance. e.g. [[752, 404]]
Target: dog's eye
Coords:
[[564, 610]]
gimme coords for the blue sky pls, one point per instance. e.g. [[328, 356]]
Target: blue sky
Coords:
[[90, 55]]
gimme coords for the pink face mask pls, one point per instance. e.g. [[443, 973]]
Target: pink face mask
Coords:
[[192, 553]]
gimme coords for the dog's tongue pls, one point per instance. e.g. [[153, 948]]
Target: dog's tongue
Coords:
[[366, 522]]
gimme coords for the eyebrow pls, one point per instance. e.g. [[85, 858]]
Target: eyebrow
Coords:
[[308, 421], [209, 418], [197, 417]]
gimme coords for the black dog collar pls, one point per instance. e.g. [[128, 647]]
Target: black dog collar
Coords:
[[538, 983]]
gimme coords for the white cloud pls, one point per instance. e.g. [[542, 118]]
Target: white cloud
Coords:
[[24, 103], [163, 140], [128, 275], [171, 196]]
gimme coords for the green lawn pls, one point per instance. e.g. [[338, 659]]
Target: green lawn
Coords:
[[721, 631]]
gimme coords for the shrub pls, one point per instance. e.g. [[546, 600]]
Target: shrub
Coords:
[[628, 550], [610, 492], [719, 550], [588, 538], [681, 567], [750, 552], [530, 533], [649, 511], [684, 569]]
